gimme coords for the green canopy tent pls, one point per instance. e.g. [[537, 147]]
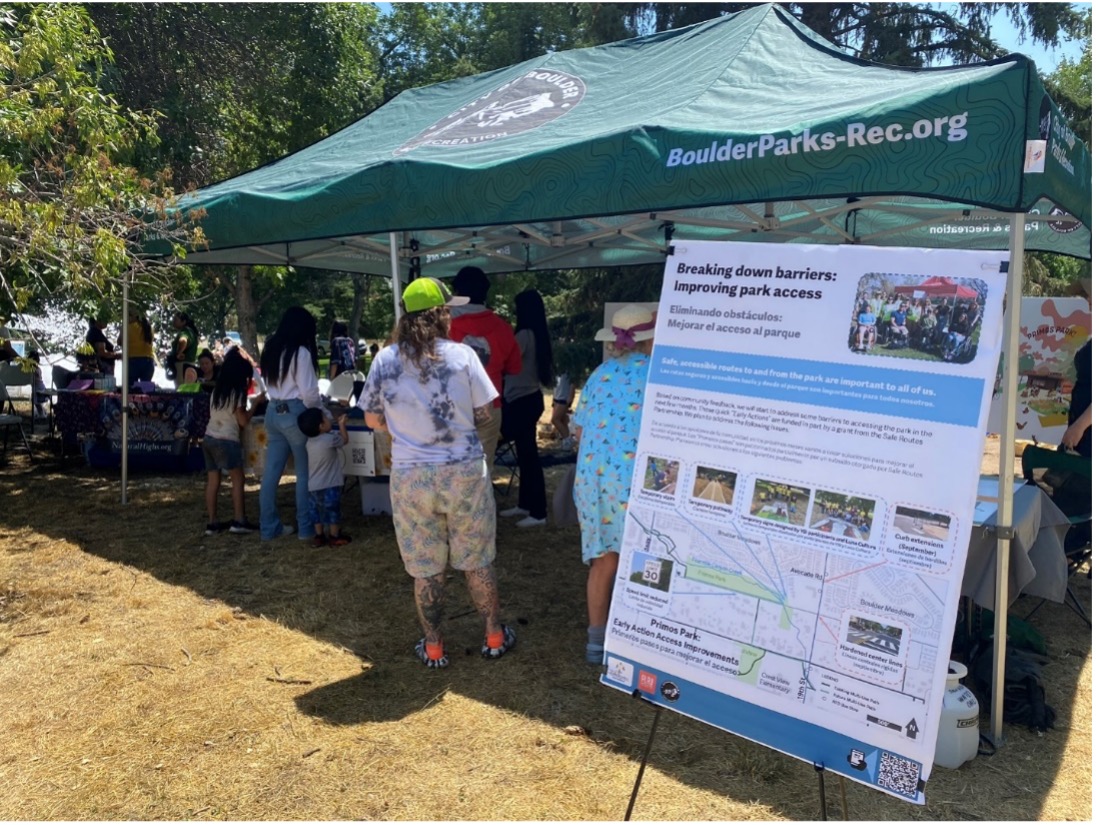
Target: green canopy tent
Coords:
[[749, 127]]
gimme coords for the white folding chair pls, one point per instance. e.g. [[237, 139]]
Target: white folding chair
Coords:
[[341, 386]]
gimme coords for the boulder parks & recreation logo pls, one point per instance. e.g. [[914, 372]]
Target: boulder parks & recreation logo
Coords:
[[537, 97]]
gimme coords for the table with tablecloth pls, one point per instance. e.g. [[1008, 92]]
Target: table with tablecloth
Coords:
[[1037, 561], [163, 428]]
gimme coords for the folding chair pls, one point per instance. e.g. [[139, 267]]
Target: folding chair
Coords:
[[1067, 479], [10, 418], [506, 456]]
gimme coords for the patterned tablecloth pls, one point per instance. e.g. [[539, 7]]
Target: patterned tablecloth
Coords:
[[159, 424]]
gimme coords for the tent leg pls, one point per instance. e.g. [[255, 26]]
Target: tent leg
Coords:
[[394, 254], [1006, 471], [125, 387]]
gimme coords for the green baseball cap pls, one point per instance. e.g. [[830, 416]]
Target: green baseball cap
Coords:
[[427, 293]]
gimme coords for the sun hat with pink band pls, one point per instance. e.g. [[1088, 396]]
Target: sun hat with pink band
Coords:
[[630, 324]]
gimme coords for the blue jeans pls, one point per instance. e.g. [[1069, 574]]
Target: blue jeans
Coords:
[[284, 437]]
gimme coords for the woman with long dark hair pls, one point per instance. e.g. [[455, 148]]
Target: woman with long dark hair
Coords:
[[289, 365], [430, 393], [523, 405]]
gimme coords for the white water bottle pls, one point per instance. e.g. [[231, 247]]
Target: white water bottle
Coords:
[[957, 739]]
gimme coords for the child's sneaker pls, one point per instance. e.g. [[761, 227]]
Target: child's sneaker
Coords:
[[215, 527], [508, 640], [339, 540], [244, 526], [319, 541], [439, 661]]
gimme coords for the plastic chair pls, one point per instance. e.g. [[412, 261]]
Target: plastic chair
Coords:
[[1067, 479], [341, 387]]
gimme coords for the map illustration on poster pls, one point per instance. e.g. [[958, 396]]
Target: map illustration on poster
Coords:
[[803, 496], [1051, 332]]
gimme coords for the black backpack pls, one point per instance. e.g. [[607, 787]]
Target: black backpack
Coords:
[[1025, 695]]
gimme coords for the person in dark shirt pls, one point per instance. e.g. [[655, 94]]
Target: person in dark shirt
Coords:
[[1078, 435], [105, 354]]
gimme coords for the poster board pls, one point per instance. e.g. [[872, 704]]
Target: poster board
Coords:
[[358, 454], [805, 482], [1051, 332]]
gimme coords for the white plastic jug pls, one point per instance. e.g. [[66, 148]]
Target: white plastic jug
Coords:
[[957, 739]]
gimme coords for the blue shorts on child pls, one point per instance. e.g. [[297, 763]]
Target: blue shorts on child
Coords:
[[221, 454], [326, 506]]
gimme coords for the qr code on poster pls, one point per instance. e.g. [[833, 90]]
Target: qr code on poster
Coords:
[[898, 774], [358, 455]]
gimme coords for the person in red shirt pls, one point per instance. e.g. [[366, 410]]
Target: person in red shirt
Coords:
[[493, 340]]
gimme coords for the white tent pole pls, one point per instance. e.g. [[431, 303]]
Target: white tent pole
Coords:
[[125, 386], [1006, 471], [394, 253]]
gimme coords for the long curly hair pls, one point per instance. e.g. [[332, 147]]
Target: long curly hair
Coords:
[[417, 334]]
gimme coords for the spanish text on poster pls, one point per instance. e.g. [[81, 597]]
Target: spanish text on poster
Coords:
[[802, 501]]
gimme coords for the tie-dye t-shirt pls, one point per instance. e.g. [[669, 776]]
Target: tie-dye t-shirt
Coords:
[[429, 413], [608, 411]]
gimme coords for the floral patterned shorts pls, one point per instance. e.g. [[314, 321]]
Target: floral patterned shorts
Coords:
[[443, 514]]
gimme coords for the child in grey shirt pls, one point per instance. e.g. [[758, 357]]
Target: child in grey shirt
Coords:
[[325, 474]]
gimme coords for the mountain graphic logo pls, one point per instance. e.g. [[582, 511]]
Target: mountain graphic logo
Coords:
[[537, 97]]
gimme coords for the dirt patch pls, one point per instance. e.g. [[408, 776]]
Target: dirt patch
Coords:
[[150, 672]]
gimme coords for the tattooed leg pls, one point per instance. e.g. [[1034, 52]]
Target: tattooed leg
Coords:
[[430, 602], [484, 590]]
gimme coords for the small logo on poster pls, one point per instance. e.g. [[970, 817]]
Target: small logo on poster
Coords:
[[619, 671], [670, 692], [857, 760], [648, 682]]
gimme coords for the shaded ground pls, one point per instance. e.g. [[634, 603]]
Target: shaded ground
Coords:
[[147, 672]]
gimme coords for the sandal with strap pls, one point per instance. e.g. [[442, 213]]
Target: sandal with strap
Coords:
[[424, 657], [509, 639]]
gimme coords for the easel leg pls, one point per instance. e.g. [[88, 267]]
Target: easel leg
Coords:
[[643, 764], [821, 771]]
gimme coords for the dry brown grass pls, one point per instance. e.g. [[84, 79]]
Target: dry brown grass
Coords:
[[150, 673]]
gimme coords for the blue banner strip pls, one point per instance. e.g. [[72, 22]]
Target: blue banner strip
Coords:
[[947, 399], [835, 752]]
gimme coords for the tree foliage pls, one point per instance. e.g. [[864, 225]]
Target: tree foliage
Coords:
[[73, 211], [237, 85], [211, 90]]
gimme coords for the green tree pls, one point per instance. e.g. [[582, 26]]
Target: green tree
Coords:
[[73, 210], [900, 34], [239, 85]]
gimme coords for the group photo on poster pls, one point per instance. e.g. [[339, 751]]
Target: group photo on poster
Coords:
[[788, 527]]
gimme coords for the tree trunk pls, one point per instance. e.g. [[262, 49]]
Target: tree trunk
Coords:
[[245, 310], [361, 293]]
